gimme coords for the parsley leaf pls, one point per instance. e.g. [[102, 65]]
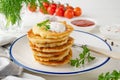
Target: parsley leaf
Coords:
[[115, 75], [44, 24], [83, 57]]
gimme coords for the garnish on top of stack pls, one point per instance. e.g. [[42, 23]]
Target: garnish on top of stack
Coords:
[[50, 42], [56, 29]]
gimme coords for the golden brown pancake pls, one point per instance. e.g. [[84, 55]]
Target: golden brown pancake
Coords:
[[50, 34], [65, 60], [38, 39], [53, 44], [54, 49], [58, 57], [49, 54]]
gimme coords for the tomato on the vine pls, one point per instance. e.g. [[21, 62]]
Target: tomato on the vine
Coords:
[[69, 7], [32, 7], [77, 11], [44, 8], [61, 6], [59, 12], [46, 5], [53, 5], [69, 13], [51, 9]]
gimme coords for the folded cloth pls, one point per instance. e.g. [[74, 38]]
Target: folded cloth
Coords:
[[2, 50], [7, 67], [6, 39], [15, 78]]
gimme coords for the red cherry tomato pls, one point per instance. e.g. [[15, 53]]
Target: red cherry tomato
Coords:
[[69, 13], [61, 6], [59, 12], [44, 8], [51, 9], [77, 11], [32, 7], [69, 7], [53, 5], [46, 5]]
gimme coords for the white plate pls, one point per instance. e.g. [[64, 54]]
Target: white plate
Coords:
[[21, 54]]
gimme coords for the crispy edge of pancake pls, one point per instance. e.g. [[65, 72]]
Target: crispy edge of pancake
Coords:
[[53, 49], [65, 60], [50, 34], [38, 39], [49, 54], [58, 57]]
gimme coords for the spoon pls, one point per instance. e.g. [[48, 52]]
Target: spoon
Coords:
[[108, 53]]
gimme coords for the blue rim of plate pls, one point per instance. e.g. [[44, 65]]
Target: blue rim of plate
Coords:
[[57, 73]]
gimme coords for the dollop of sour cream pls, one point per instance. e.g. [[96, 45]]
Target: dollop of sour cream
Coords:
[[57, 27]]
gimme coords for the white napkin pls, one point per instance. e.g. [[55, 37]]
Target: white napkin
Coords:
[[15, 78], [3, 63], [7, 67], [6, 39]]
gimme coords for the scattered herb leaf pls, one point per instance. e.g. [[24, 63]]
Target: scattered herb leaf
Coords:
[[115, 75], [83, 57]]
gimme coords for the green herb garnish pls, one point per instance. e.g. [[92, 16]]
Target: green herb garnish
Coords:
[[84, 56], [115, 75], [44, 24]]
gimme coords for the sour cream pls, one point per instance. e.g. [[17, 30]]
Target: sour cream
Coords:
[[57, 27]]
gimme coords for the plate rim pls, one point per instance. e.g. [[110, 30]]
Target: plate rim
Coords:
[[57, 73]]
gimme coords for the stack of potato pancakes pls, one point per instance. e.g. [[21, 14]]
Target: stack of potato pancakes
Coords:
[[50, 47]]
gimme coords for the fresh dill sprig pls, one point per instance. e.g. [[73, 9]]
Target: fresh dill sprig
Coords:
[[11, 9], [83, 57]]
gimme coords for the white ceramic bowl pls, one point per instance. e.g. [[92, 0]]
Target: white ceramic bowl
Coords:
[[85, 28], [111, 31]]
